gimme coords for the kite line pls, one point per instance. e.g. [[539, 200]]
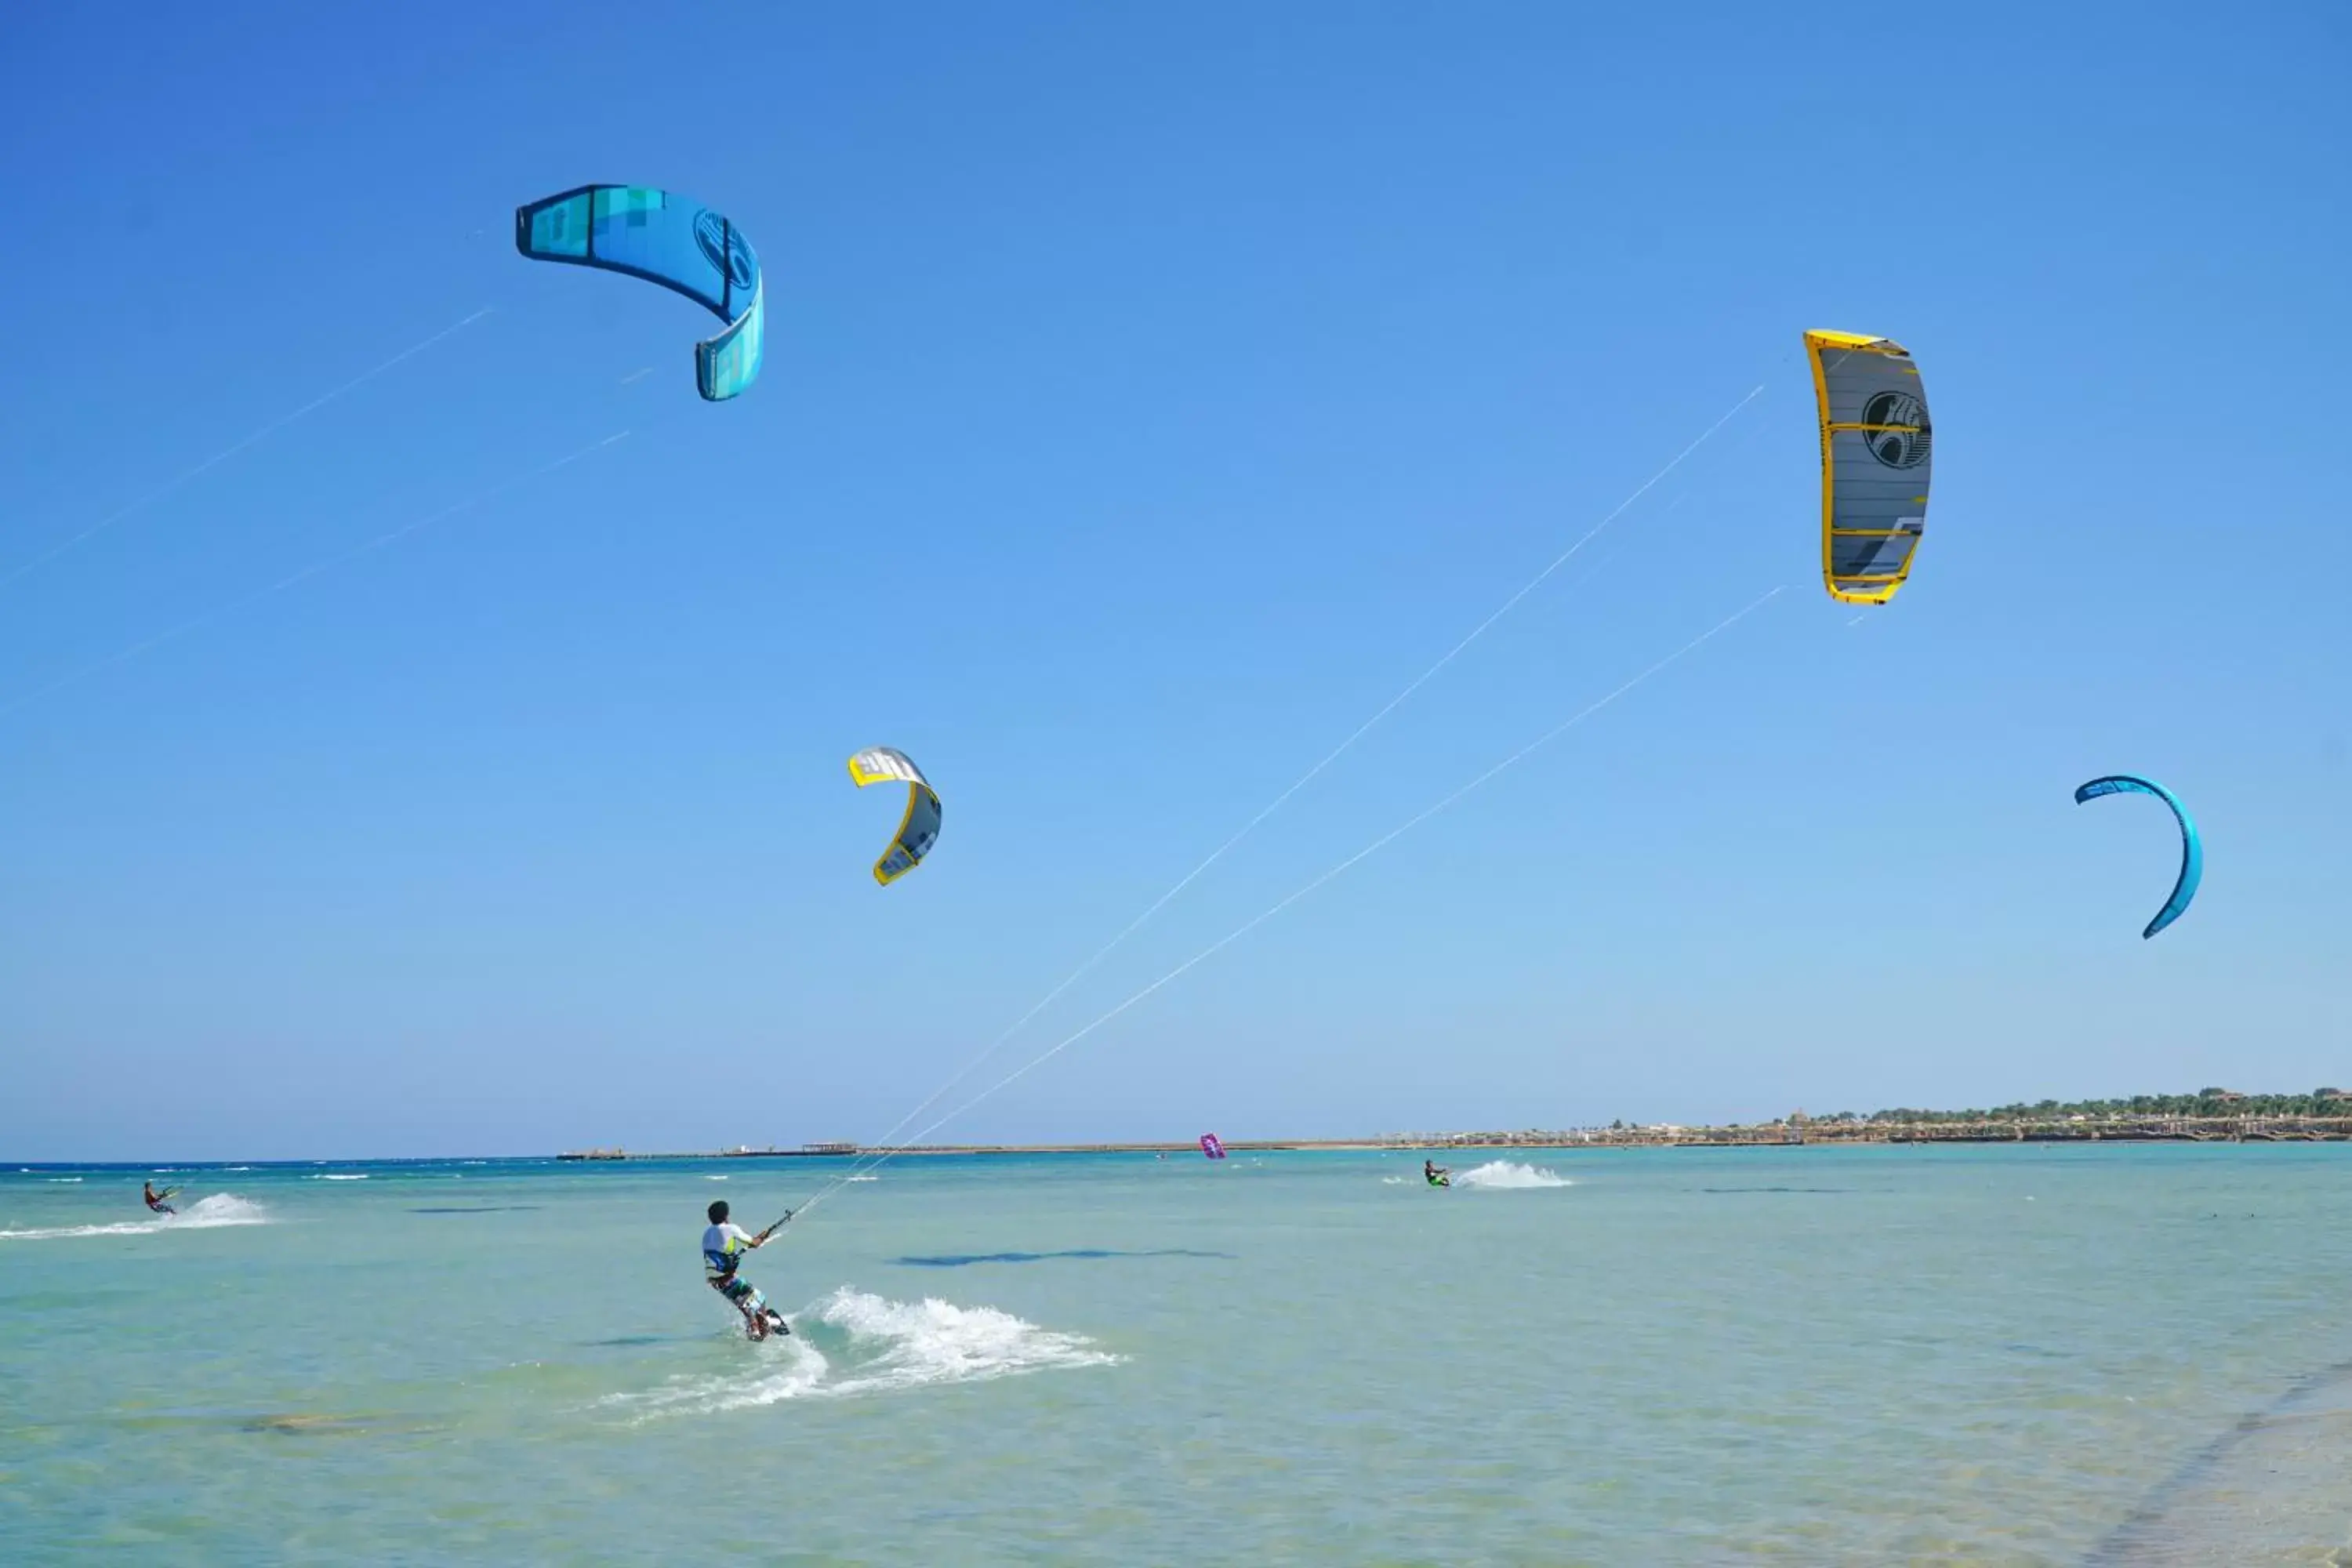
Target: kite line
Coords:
[[1375, 847]]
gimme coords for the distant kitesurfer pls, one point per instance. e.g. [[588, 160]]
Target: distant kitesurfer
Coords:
[[723, 1246], [155, 1199], [1435, 1174]]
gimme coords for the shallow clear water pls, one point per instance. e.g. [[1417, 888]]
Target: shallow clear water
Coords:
[[2012, 1354]]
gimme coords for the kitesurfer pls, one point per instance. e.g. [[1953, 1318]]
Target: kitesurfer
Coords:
[[155, 1199], [723, 1246], [1435, 1174]]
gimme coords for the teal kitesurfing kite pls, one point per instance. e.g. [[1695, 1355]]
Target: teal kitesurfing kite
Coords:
[[2192, 851], [664, 238]]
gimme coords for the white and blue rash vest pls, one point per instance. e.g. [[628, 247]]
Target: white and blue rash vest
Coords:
[[723, 1247]]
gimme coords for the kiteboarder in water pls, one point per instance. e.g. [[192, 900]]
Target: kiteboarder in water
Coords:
[[1435, 1174], [723, 1246], [155, 1199]]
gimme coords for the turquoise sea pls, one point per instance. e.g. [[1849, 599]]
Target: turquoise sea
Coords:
[[2015, 1354]]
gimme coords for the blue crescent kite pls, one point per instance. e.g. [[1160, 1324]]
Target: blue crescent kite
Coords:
[[2192, 852], [667, 239]]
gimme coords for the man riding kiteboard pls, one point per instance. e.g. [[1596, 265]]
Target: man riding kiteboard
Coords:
[[155, 1199], [723, 1246]]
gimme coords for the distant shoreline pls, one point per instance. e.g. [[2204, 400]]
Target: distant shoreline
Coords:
[[1774, 1134]]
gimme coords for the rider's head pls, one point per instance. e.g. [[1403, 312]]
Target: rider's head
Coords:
[[719, 1212]]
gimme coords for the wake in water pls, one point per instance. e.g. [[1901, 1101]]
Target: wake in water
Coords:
[[853, 1342], [1510, 1175], [220, 1210]]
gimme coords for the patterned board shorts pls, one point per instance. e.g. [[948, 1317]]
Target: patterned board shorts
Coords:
[[740, 1291]]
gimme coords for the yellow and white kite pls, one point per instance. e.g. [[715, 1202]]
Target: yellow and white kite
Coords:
[[1876, 440], [919, 829]]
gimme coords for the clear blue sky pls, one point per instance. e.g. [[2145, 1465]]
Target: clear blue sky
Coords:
[[1150, 393]]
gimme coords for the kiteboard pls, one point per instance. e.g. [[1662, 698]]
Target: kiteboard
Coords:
[[760, 1320]]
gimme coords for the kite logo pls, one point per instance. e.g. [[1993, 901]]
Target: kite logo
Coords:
[[725, 250], [1903, 448]]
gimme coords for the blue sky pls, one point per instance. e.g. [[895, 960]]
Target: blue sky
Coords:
[[1150, 394]]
